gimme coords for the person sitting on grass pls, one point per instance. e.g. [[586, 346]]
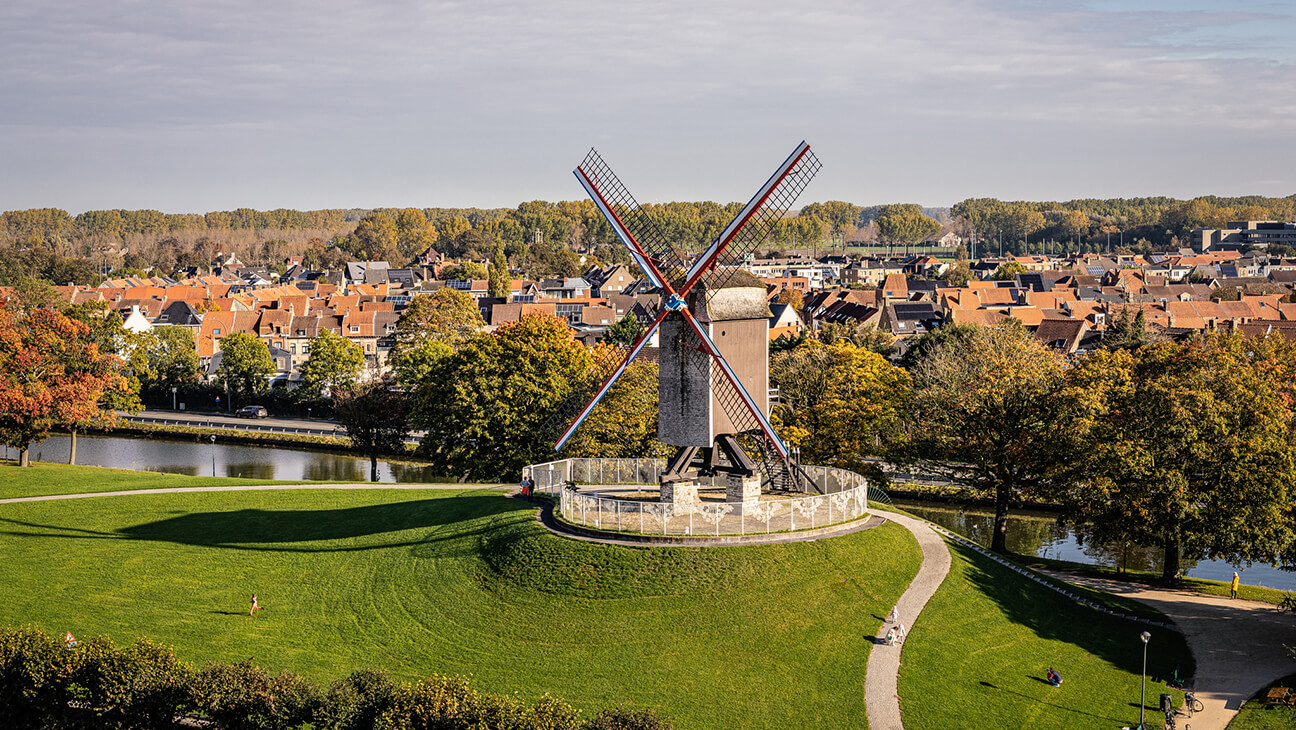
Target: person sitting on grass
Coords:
[[1053, 677]]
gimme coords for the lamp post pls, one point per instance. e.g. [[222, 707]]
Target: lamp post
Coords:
[[213, 442], [1143, 692], [173, 397]]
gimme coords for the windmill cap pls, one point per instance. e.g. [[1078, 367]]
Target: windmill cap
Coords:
[[734, 303]]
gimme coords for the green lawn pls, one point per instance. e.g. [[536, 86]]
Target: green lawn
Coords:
[[1255, 716], [463, 582], [43, 478], [977, 657]]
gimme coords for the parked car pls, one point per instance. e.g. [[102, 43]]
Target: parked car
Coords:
[[252, 412]]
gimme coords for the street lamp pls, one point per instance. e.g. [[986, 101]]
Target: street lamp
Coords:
[[1143, 693], [173, 398], [213, 442]]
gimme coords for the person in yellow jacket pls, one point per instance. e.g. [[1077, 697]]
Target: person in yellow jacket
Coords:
[[1233, 586]]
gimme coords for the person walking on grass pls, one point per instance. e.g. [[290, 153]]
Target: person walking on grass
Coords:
[[1233, 586], [255, 607]]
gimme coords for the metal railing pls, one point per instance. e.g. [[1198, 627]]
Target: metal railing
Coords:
[[845, 499]]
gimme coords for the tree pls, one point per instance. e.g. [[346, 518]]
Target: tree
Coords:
[[51, 374], [245, 366], [905, 224], [984, 414], [791, 296], [867, 336], [499, 283], [484, 407], [431, 328], [334, 363], [464, 271], [1187, 448], [1008, 271], [624, 332], [376, 416], [840, 403], [171, 358], [1128, 333], [624, 424], [376, 238]]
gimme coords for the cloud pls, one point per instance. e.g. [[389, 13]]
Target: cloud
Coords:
[[476, 101]]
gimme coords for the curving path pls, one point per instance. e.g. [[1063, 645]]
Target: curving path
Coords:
[[881, 696], [1238, 645], [253, 488]]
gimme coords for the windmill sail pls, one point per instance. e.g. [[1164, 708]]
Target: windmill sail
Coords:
[[668, 270]]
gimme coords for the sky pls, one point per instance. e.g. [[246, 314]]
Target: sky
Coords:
[[213, 105]]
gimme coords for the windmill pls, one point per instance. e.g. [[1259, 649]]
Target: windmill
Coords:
[[708, 407]]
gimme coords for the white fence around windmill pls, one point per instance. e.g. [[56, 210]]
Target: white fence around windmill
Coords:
[[841, 496]]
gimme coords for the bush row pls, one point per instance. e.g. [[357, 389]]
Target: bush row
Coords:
[[46, 685]]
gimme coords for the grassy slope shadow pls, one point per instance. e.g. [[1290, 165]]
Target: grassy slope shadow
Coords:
[[278, 530], [978, 654]]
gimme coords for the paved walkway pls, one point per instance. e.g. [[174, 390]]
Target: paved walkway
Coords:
[[881, 696], [254, 488], [1238, 645]]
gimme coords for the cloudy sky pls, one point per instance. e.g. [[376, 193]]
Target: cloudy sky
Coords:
[[196, 106]]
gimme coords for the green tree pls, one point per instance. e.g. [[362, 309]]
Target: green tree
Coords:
[[867, 336], [499, 283], [431, 328], [840, 403], [984, 415], [624, 423], [171, 358], [484, 407], [1128, 333], [1008, 271], [1187, 447], [376, 416], [624, 332], [334, 363], [465, 271], [245, 366], [905, 225]]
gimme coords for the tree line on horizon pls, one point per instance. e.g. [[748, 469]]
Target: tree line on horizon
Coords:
[[544, 238]]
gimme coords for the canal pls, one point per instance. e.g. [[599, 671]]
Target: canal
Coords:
[[1038, 533], [188, 456]]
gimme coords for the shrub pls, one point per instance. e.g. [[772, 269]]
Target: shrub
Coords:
[[625, 718], [243, 696], [35, 679], [139, 687], [448, 703], [356, 701]]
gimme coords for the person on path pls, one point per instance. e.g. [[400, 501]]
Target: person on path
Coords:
[[891, 636], [900, 632], [891, 617], [255, 607], [1234, 586]]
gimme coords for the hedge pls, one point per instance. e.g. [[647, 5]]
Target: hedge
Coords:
[[47, 685]]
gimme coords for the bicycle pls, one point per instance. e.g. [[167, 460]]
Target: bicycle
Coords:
[[1288, 603], [1192, 704]]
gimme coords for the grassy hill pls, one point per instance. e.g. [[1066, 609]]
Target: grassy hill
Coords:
[[977, 657], [462, 582]]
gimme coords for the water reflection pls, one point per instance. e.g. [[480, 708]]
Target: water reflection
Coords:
[[1039, 533], [203, 458]]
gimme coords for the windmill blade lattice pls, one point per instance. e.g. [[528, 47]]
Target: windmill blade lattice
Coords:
[[664, 265]]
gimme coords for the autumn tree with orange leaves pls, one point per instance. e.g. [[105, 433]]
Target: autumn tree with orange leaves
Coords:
[[51, 374]]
